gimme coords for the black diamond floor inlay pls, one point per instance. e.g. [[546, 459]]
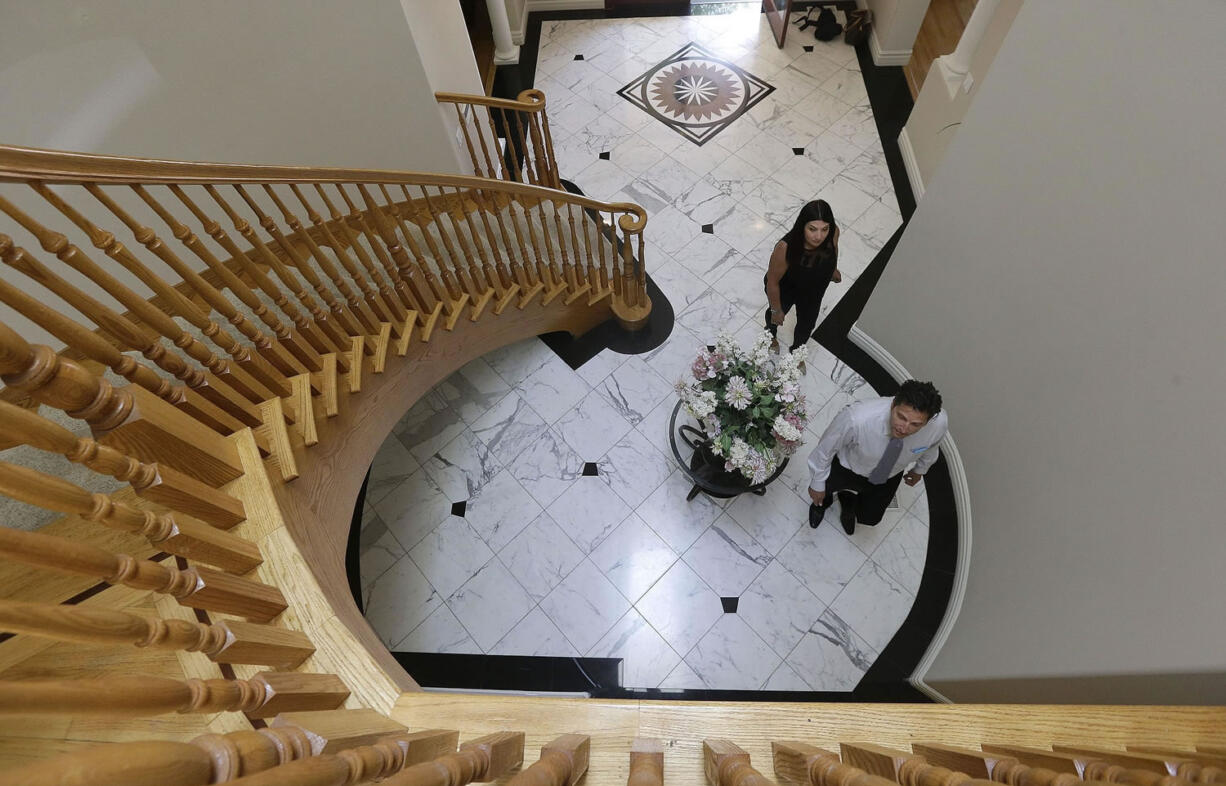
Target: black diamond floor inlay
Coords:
[[578, 57], [729, 604], [457, 508], [800, 151], [808, 47], [696, 93], [589, 468], [708, 229], [604, 156]]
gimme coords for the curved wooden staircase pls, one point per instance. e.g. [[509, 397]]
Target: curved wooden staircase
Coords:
[[220, 387]]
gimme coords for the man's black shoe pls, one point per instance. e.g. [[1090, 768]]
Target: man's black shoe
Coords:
[[847, 513], [815, 515]]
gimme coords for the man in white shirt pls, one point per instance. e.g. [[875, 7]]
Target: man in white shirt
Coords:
[[864, 450]]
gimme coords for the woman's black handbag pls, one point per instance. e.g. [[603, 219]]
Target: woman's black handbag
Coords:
[[857, 26], [827, 27]]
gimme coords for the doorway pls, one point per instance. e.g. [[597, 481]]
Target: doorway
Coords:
[[938, 35]]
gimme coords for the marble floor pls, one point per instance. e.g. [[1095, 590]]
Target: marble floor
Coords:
[[526, 508]]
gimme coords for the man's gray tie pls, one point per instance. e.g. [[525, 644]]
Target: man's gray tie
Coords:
[[881, 472]]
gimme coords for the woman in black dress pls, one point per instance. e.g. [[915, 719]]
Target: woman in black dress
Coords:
[[801, 266]]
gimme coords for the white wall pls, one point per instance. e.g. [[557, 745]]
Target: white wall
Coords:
[[895, 25], [274, 82], [1062, 283]]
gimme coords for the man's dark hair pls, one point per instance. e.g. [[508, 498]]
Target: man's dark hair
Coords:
[[922, 396]]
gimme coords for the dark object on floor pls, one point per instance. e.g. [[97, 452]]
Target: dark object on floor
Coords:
[[847, 512], [815, 515], [729, 604], [828, 27], [858, 23]]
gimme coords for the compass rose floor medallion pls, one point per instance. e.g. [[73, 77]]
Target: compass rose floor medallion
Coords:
[[696, 93]]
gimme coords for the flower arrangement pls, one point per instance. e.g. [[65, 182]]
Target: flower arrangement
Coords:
[[748, 404]]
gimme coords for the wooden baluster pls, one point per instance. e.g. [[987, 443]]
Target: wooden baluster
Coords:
[[801, 763], [1088, 768], [513, 146], [408, 290], [442, 291], [470, 273], [550, 159], [468, 142], [336, 730], [562, 763], [185, 537], [484, 759], [581, 271], [541, 160], [421, 270], [370, 308], [481, 274], [118, 696], [646, 762], [485, 146], [500, 275], [124, 330], [522, 224], [94, 347], [640, 277], [1217, 751], [593, 275], [356, 320], [1002, 769], [194, 587], [313, 332], [247, 377], [528, 150], [242, 753], [427, 296], [906, 768], [1145, 762], [462, 257], [450, 266], [606, 277], [297, 345], [726, 764], [391, 301], [129, 420], [223, 642], [617, 280], [551, 270], [164, 485], [339, 329], [1212, 766], [362, 764], [502, 159], [568, 271]]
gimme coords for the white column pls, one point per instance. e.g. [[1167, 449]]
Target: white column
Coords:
[[955, 67], [505, 52]]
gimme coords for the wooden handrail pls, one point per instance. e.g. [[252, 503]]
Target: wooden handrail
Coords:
[[530, 100]]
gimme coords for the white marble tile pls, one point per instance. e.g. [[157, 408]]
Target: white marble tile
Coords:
[[767, 154], [866, 538], [902, 553], [451, 555], [540, 556], [516, 362], [636, 155], [392, 465], [706, 256], [700, 159], [378, 556], [833, 153], [847, 86], [602, 179], [473, 390], [744, 228], [785, 678], [669, 230], [674, 519], [742, 286], [588, 511], [490, 604], [678, 284], [633, 557], [592, 427], [736, 176], [823, 559], [873, 604], [805, 177], [414, 508], [869, 173], [663, 137], [779, 608], [535, 635], [398, 600], [823, 109], [427, 426], [792, 86], [681, 607], [726, 557], [682, 678], [877, 224], [667, 180], [673, 359], [646, 657], [634, 468], [547, 467], [509, 428], [585, 606], [462, 466], [500, 509], [857, 126], [816, 66], [654, 429], [849, 202], [777, 202], [771, 519], [553, 389], [634, 389], [710, 314], [831, 657], [704, 202], [794, 129], [732, 657], [440, 632]]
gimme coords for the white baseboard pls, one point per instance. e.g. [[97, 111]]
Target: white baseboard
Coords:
[[911, 165], [886, 57], [962, 505], [562, 5], [518, 36]]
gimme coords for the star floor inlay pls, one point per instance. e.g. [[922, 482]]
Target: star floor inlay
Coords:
[[696, 93]]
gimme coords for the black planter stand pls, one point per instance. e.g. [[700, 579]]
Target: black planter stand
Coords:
[[706, 469]]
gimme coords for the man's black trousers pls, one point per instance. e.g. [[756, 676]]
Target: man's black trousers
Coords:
[[871, 499]]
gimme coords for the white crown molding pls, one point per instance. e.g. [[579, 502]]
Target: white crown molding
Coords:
[[962, 505], [911, 164]]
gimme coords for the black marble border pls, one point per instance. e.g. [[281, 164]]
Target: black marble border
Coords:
[[887, 679]]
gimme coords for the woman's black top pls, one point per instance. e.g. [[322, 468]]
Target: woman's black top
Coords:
[[808, 277]]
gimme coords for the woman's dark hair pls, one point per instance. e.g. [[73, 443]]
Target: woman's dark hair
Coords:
[[922, 396], [817, 210]]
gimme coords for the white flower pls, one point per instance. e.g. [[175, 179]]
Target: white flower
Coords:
[[785, 430], [738, 396]]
